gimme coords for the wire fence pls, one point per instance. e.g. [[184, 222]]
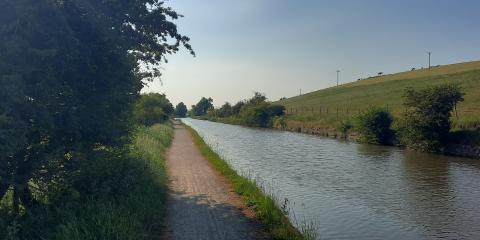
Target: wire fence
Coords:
[[338, 112]]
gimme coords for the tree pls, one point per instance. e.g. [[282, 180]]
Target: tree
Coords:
[[180, 110], [236, 108], [257, 98], [374, 126], [70, 73], [202, 107], [427, 118], [225, 110], [152, 108], [260, 115], [257, 112]]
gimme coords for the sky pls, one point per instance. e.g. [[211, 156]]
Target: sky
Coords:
[[278, 47]]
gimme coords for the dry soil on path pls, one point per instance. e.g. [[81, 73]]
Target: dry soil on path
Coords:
[[201, 203]]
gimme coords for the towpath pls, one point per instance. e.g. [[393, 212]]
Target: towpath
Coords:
[[201, 203]]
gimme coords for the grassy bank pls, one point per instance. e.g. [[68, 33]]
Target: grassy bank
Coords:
[[325, 108], [266, 208], [114, 198]]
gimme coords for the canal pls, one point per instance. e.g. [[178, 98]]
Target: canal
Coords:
[[355, 191]]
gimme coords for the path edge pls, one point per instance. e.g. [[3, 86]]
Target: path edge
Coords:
[[265, 207]]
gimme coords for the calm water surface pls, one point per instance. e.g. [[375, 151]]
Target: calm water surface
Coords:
[[355, 191]]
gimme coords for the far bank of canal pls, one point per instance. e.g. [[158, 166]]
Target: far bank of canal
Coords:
[[356, 191]]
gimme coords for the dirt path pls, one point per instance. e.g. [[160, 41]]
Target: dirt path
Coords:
[[201, 204]]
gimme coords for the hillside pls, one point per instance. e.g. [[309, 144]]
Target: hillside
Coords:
[[325, 108]]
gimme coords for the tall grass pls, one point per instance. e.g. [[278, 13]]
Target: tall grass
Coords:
[[126, 198], [267, 208]]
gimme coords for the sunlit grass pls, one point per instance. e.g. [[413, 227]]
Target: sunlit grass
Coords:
[[324, 108]]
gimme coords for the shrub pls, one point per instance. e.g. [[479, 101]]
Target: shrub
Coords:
[[344, 128], [152, 108], [279, 122], [374, 126], [261, 114], [427, 124]]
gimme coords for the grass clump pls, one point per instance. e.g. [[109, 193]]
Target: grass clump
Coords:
[[266, 208]]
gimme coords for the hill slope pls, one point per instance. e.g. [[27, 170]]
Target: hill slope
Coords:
[[325, 108]]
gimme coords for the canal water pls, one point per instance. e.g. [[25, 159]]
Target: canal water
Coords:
[[355, 191]]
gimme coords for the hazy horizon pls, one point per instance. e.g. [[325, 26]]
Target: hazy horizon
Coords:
[[279, 47]]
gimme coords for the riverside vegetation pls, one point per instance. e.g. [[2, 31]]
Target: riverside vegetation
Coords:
[[412, 109], [75, 160], [318, 109], [254, 112], [266, 207]]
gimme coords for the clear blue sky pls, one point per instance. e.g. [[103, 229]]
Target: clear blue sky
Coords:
[[280, 46]]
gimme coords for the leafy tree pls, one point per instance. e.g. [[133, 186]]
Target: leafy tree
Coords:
[[70, 74], [237, 107], [427, 119], [152, 108], [202, 107], [257, 99], [260, 115], [225, 110], [257, 112], [180, 110], [374, 126]]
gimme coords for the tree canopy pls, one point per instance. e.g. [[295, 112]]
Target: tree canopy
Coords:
[[71, 72], [152, 108], [180, 110], [427, 119], [202, 107]]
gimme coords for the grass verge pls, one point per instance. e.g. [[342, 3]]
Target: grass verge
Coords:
[[119, 194], [266, 208]]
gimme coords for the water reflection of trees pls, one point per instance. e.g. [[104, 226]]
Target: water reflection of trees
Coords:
[[419, 189], [429, 194]]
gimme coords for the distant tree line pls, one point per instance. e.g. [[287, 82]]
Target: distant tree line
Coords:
[[152, 108], [255, 112], [180, 110]]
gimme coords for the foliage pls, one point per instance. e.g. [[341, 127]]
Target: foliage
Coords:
[[257, 98], [70, 73], [152, 108], [427, 118], [279, 122], [266, 207], [261, 114], [126, 195], [202, 107], [255, 112], [344, 128], [180, 110], [225, 110], [237, 107], [374, 126]]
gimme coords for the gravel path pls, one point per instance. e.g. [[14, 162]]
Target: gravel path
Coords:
[[201, 204]]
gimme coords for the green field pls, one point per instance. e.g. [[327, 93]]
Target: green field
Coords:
[[325, 108]]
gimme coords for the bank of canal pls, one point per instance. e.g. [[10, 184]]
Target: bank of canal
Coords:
[[355, 191]]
